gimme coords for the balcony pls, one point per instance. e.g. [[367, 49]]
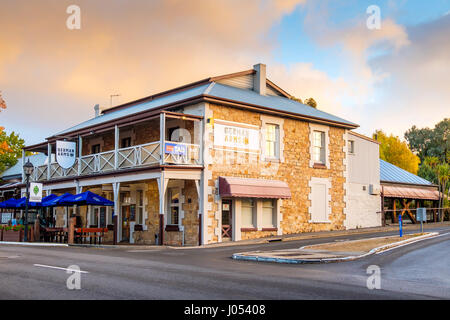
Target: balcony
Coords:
[[171, 150]]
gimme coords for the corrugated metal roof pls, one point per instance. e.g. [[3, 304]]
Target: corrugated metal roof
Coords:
[[16, 170], [392, 173], [215, 90]]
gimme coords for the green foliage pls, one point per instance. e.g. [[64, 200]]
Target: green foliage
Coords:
[[15, 144], [431, 142], [396, 152], [310, 102]]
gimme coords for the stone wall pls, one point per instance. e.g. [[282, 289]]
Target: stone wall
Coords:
[[295, 170]]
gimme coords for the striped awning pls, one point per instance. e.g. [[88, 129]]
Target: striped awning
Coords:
[[410, 193]]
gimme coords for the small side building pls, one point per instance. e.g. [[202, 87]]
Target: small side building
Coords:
[[363, 197], [403, 191]]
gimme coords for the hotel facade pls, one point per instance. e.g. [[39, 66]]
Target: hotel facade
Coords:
[[226, 158]]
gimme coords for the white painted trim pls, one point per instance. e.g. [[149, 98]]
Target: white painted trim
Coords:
[[272, 120], [317, 127]]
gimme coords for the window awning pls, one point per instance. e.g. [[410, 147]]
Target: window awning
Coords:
[[410, 193], [253, 188]]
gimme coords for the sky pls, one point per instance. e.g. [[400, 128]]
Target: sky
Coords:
[[389, 78]]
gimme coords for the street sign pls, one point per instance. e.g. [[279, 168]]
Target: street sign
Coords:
[[421, 214], [35, 192]]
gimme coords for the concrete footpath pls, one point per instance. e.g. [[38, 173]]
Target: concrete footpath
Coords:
[[317, 254], [288, 237]]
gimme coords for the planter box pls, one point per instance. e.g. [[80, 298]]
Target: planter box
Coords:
[[13, 236]]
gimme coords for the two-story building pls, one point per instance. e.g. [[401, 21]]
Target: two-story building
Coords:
[[225, 158]]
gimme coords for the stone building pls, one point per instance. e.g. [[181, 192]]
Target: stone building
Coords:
[[225, 158]]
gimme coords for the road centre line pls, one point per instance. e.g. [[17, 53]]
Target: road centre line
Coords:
[[59, 268]]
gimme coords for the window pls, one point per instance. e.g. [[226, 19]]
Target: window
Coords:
[[174, 206], [319, 147], [94, 216], [272, 140], [268, 213], [125, 143], [248, 212], [95, 149], [351, 146], [140, 207]]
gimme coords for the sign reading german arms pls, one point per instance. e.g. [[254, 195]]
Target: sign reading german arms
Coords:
[[65, 153]]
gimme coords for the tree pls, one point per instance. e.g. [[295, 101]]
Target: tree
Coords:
[[3, 145], [310, 102], [13, 150], [443, 174], [396, 152], [431, 142]]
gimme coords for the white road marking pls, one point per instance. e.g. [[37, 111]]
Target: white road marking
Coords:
[[387, 250], [59, 268]]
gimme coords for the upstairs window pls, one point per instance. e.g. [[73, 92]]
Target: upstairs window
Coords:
[[126, 142], [95, 149], [351, 146], [319, 147], [272, 140]]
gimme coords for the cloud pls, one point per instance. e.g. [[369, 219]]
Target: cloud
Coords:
[[133, 48], [417, 88]]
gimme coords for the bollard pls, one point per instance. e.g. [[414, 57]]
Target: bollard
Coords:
[[400, 225]]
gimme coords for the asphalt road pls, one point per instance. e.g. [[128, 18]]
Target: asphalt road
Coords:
[[417, 271]]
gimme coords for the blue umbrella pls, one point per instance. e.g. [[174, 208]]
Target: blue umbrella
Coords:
[[8, 204], [22, 202], [57, 201], [87, 198]]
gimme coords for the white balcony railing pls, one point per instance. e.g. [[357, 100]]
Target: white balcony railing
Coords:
[[135, 156]]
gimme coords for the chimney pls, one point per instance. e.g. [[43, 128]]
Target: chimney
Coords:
[[259, 80], [97, 110]]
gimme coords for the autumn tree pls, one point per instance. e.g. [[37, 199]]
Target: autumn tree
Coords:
[[394, 151]]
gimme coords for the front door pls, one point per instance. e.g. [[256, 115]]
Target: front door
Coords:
[[126, 223], [226, 220]]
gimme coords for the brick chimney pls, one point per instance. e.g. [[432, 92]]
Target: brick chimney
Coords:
[[259, 79], [97, 110]]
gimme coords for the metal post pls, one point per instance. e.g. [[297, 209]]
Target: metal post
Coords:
[[25, 222], [49, 163], [23, 162], [116, 147], [80, 151], [162, 135]]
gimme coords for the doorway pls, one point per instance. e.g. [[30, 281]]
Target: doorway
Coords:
[[226, 220], [126, 223]]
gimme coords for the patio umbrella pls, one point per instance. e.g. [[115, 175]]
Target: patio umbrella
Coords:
[[56, 201], [87, 198], [22, 201], [9, 204]]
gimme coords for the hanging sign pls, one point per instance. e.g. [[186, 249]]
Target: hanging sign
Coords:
[[35, 192], [65, 153], [235, 137]]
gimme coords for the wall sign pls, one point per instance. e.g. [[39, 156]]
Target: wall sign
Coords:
[[236, 137], [65, 153], [35, 192], [175, 148]]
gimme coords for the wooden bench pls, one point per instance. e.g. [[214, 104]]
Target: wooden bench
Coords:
[[96, 234]]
